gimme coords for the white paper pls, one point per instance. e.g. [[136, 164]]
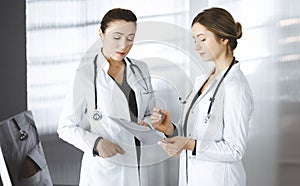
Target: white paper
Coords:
[[146, 135]]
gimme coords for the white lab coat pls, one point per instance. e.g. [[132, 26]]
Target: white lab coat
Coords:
[[221, 142], [77, 127]]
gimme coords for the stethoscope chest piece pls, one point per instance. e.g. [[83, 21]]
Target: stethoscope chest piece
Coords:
[[97, 115], [212, 99], [23, 135], [206, 118]]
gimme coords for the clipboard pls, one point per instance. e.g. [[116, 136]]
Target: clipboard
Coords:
[[146, 135]]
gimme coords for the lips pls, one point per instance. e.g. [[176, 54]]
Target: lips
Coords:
[[121, 53]]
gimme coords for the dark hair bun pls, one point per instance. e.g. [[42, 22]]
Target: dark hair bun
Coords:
[[239, 32]]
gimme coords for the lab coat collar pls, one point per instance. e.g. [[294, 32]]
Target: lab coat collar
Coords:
[[103, 65], [234, 68], [200, 80]]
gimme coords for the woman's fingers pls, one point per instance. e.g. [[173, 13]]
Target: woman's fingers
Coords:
[[172, 146], [170, 140], [156, 109], [165, 112], [119, 149], [108, 149], [156, 118], [168, 147], [158, 115], [112, 152], [107, 153], [143, 123], [163, 145]]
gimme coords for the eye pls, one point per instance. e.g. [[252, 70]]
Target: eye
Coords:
[[199, 40], [130, 38], [117, 37]]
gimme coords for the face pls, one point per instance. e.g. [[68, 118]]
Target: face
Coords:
[[206, 44], [118, 39]]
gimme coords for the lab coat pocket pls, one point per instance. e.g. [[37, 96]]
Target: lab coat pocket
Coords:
[[36, 162], [107, 163], [201, 126], [33, 180]]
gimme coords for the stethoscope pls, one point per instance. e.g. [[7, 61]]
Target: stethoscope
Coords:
[[145, 86], [22, 133], [147, 89], [212, 99]]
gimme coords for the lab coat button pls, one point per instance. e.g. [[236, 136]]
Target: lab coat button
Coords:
[[190, 157]]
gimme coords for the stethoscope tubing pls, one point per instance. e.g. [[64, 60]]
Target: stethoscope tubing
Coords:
[[97, 115], [212, 99]]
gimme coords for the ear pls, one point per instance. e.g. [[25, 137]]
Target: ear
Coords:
[[224, 41], [101, 34]]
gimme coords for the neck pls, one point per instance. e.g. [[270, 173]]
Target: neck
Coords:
[[222, 64], [111, 61], [114, 63]]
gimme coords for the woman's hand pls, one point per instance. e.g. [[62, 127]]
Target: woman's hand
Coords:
[[143, 123], [161, 121], [174, 146], [108, 149]]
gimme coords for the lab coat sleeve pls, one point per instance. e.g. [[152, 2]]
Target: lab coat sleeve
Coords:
[[238, 108], [70, 127]]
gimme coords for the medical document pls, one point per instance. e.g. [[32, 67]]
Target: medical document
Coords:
[[148, 138], [146, 135]]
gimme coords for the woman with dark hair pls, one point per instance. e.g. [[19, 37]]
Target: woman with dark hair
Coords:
[[216, 120], [108, 87]]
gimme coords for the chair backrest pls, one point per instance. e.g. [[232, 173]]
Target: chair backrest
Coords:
[[23, 152]]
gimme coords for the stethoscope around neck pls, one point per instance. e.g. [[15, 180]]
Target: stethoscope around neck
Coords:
[[147, 89], [212, 99]]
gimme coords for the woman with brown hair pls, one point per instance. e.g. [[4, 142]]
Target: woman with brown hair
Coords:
[[109, 85], [216, 120]]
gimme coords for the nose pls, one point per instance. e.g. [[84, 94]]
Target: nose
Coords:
[[124, 43], [197, 45]]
